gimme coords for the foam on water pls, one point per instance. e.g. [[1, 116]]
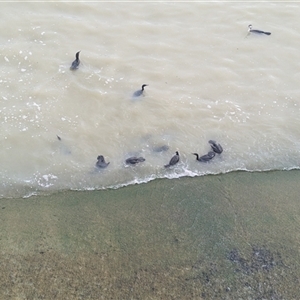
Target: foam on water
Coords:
[[207, 80]]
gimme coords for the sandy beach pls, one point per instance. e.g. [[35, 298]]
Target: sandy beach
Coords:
[[232, 236]]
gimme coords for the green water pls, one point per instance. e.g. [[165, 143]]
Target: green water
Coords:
[[232, 236]]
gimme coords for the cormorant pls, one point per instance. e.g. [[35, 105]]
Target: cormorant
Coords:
[[216, 147], [205, 158], [174, 160], [63, 148], [134, 160], [139, 92], [76, 62], [257, 31], [101, 162]]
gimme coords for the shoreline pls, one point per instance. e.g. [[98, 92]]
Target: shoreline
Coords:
[[226, 236]]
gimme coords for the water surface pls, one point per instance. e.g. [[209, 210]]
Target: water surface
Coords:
[[207, 80]]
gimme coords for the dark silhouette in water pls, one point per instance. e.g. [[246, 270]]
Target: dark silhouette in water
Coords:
[[250, 30], [101, 162], [216, 147], [161, 148], [139, 92], [174, 160], [134, 160], [205, 158], [63, 148], [76, 62]]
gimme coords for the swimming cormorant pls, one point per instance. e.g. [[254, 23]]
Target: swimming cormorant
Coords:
[[216, 147], [76, 62], [63, 148], [174, 160], [257, 31], [134, 160], [101, 162], [205, 158], [139, 92]]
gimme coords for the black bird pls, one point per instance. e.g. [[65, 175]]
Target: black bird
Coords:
[[76, 62], [216, 147], [205, 158], [139, 92], [174, 160], [257, 31], [63, 148], [101, 162], [134, 160]]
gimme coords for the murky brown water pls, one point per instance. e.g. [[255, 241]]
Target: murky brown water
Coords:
[[207, 80]]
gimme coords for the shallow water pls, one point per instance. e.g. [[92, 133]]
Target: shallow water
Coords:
[[207, 80], [231, 236]]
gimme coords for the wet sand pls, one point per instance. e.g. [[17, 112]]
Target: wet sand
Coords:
[[232, 236]]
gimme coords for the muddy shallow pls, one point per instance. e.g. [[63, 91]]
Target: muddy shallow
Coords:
[[232, 236]]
